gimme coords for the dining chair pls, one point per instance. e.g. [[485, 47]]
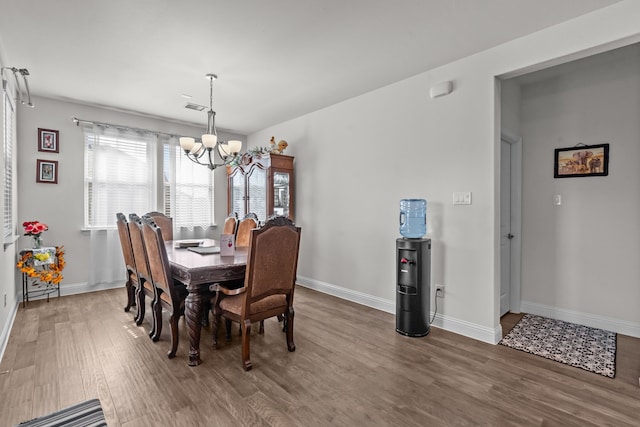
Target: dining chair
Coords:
[[272, 262], [230, 227], [170, 294], [243, 234], [146, 288], [164, 222], [230, 224], [132, 283]]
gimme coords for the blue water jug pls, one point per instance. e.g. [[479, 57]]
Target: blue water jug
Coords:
[[413, 218]]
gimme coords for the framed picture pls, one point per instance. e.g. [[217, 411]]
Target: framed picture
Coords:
[[47, 171], [584, 160], [48, 140]]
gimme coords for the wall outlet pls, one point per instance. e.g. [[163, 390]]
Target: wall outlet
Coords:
[[439, 290]]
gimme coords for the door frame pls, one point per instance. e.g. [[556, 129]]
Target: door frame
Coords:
[[516, 218]]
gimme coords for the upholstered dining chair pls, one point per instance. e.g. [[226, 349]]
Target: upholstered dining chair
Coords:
[[164, 222], [145, 288], [243, 234], [132, 283], [230, 224], [170, 294], [272, 262]]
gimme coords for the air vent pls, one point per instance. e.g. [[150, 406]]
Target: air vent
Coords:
[[196, 107]]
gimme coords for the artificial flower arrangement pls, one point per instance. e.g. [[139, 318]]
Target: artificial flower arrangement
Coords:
[[35, 230], [49, 273], [273, 148]]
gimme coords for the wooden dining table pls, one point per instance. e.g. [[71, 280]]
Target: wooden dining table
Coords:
[[198, 272]]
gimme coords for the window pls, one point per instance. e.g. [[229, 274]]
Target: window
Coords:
[[119, 175], [189, 197], [124, 171], [8, 119]]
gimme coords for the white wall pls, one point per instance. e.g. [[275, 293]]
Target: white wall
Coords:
[[582, 256], [357, 159], [510, 106]]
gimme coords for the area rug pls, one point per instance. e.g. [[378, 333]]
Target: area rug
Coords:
[[84, 414], [591, 349]]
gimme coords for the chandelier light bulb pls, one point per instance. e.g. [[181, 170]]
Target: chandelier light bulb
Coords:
[[209, 140], [187, 143], [196, 148]]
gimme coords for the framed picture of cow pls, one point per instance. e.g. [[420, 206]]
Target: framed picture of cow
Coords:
[[582, 160]]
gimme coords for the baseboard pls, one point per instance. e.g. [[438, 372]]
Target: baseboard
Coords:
[[6, 331], [468, 329], [601, 322], [348, 294], [450, 324]]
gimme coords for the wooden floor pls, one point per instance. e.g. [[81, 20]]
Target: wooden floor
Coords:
[[350, 368]]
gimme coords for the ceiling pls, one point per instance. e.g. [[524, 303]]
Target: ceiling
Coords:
[[276, 60]]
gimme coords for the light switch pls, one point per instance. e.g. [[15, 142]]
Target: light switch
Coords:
[[462, 198], [557, 200]]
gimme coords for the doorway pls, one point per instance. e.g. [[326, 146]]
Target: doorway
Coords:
[[510, 222]]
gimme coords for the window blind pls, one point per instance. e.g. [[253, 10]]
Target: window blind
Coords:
[[119, 175], [188, 190], [8, 120]]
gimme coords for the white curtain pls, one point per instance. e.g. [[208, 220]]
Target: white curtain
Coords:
[[121, 171]]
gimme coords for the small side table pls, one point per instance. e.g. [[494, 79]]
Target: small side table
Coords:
[[41, 271]]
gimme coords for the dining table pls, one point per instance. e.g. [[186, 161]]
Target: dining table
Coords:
[[197, 272]]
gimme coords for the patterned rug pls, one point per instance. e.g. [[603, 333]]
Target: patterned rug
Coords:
[[83, 414], [587, 348]]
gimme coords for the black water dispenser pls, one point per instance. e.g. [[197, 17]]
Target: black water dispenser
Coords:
[[413, 265]]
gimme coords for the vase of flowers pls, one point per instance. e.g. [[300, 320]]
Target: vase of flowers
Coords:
[[35, 230]]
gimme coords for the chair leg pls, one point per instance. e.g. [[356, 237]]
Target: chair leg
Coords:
[[288, 318], [215, 326], [246, 333], [157, 320], [141, 308], [154, 321], [260, 330], [206, 307], [173, 324], [227, 326], [131, 299]]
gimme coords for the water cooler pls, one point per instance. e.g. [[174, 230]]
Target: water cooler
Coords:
[[413, 267]]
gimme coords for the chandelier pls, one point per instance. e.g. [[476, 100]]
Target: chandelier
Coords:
[[203, 152]]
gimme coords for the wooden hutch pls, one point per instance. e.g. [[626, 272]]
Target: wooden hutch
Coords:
[[262, 184]]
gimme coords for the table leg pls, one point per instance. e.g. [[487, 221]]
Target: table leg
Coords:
[[193, 318], [24, 290]]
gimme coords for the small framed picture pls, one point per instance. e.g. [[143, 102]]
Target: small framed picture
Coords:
[[47, 171], [48, 140], [584, 160]]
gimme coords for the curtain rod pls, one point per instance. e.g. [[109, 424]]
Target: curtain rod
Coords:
[[24, 73], [77, 121]]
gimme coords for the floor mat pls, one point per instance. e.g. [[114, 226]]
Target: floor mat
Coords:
[[587, 348]]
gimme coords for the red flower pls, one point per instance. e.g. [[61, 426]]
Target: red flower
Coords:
[[34, 228]]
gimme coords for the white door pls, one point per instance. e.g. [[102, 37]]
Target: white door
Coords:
[[505, 227]]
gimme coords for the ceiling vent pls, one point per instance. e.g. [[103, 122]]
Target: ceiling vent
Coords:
[[197, 107]]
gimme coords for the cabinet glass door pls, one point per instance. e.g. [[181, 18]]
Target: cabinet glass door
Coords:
[[237, 194], [281, 193], [257, 197]]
